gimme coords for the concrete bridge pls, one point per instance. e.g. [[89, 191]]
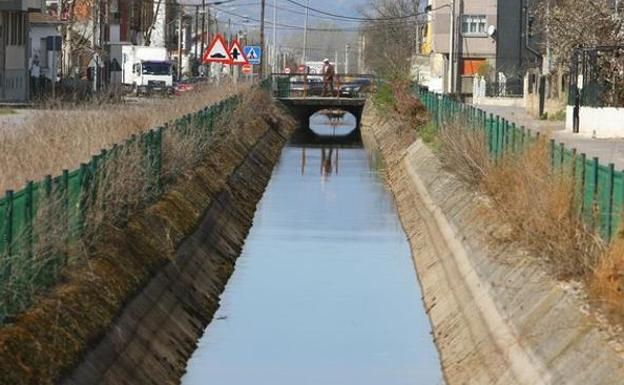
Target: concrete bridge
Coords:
[[304, 107]]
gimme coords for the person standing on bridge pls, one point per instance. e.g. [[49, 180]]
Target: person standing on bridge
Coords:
[[328, 78]]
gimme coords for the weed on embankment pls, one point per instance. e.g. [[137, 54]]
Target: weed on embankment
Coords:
[[541, 207], [124, 245], [50, 140]]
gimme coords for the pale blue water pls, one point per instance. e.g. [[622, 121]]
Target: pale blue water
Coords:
[[324, 292]]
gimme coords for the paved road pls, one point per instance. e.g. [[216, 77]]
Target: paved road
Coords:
[[607, 150]]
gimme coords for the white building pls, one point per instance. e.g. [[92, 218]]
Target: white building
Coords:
[[45, 44]]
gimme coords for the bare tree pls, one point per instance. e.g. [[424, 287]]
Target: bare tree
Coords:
[[391, 36], [570, 24]]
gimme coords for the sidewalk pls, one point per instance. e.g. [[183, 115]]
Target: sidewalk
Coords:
[[607, 150]]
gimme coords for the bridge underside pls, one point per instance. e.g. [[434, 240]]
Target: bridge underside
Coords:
[[304, 108]]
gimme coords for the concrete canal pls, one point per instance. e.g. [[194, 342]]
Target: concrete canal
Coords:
[[325, 291]]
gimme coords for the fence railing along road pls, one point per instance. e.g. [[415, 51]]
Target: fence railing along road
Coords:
[[599, 187], [26, 262]]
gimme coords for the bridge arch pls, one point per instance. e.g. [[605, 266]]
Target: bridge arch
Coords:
[[302, 108]]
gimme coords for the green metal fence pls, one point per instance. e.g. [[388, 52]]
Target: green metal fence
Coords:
[[59, 204], [600, 188]]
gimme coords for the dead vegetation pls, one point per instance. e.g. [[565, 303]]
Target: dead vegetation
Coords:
[[538, 203], [541, 207], [124, 242], [50, 140], [125, 181], [465, 152]]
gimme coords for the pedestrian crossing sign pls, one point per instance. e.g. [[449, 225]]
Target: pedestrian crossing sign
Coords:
[[253, 53]]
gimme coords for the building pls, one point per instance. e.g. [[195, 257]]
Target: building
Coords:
[[45, 43], [14, 53], [465, 38]]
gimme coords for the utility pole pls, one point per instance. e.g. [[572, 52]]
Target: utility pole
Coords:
[[305, 33], [274, 59], [96, 21], [180, 16], [203, 26], [451, 60], [262, 59], [359, 56], [196, 30]]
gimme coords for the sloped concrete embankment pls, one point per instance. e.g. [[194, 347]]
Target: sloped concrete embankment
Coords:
[[497, 317], [133, 314]]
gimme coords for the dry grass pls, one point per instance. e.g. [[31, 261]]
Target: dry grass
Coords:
[[48, 141], [124, 183], [607, 281], [538, 204], [542, 209], [464, 152]]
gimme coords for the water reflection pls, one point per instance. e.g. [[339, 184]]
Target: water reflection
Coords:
[[324, 292]]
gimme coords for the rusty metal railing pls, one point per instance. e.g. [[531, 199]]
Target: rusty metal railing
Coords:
[[306, 85]]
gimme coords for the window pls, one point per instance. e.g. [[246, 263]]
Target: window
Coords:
[[474, 25], [15, 28]]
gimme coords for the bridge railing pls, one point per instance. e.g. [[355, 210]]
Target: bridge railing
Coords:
[[303, 85]]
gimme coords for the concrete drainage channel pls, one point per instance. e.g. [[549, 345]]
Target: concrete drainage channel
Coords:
[[157, 331], [497, 317]]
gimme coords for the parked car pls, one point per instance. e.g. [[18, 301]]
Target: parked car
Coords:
[[314, 86], [183, 86], [355, 88]]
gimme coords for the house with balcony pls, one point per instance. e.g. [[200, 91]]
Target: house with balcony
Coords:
[[466, 38]]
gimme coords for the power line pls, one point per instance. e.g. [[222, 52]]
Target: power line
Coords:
[[363, 18], [290, 26], [297, 27]]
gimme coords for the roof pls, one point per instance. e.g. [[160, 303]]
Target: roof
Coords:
[[43, 18]]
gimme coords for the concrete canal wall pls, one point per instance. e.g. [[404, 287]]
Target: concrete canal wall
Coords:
[[497, 317], [133, 314]]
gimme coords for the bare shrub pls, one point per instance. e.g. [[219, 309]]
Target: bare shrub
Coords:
[[464, 151], [541, 207], [120, 186], [607, 281]]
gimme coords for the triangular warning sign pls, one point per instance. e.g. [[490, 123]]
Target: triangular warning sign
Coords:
[[236, 53], [217, 51]]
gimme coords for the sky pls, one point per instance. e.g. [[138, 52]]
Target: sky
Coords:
[[251, 8]]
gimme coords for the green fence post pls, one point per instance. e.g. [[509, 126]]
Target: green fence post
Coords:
[[561, 154], [552, 154], [65, 200], [611, 188], [498, 137], [513, 137], [490, 134], [158, 159], [595, 197], [28, 218], [84, 185], [8, 225], [583, 183]]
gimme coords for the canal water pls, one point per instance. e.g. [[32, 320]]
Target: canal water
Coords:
[[324, 292]]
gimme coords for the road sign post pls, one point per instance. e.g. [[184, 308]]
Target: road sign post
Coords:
[[217, 52], [253, 53]]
